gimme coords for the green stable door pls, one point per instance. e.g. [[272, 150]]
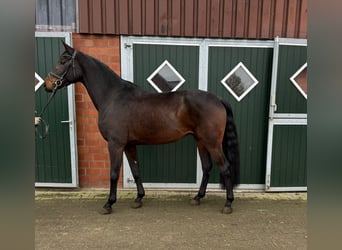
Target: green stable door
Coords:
[[286, 168], [262, 96], [55, 156], [164, 68], [242, 76]]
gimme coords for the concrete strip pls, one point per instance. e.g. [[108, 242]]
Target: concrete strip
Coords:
[[162, 194]]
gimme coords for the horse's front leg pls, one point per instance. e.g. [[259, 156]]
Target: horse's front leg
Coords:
[[132, 156], [115, 153]]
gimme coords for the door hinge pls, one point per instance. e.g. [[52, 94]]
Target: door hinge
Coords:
[[268, 181], [130, 180]]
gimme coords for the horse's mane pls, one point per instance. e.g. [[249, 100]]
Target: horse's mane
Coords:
[[108, 69]]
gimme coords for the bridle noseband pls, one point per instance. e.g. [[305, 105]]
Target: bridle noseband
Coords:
[[60, 78]]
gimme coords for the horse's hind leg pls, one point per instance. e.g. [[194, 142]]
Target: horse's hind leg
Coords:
[[132, 156], [206, 168], [222, 162]]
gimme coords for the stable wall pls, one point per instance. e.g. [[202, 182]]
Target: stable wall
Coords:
[[93, 157]]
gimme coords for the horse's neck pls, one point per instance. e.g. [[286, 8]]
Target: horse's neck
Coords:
[[99, 81]]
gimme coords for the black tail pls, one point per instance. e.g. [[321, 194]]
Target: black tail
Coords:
[[230, 145]]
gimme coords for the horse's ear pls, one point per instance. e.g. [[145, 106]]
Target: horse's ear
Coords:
[[68, 49]]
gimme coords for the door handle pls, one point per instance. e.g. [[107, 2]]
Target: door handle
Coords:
[[68, 121]]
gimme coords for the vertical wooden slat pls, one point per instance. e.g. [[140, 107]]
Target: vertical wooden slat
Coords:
[[189, 17], [176, 17], [291, 18], [214, 18], [266, 19], [240, 19], [136, 17], [97, 16], [227, 18], [109, 17], [83, 16], [149, 17], [202, 18], [302, 20], [162, 18], [123, 17], [278, 18], [253, 19]]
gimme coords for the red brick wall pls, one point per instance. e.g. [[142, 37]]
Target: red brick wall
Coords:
[[93, 157]]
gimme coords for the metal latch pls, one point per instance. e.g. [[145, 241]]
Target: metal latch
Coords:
[[126, 45], [273, 104], [273, 107]]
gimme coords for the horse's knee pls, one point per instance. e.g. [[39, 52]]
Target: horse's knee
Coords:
[[114, 176]]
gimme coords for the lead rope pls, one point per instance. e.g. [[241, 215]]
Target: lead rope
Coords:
[[58, 83], [46, 125]]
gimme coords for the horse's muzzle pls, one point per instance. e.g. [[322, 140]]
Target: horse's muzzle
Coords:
[[49, 84]]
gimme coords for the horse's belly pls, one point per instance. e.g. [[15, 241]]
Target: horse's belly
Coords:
[[159, 136]]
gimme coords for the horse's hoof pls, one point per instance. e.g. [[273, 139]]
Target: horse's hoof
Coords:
[[136, 204], [195, 202], [227, 210], [106, 210]]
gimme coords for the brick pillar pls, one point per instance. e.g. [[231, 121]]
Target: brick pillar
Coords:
[[93, 157]]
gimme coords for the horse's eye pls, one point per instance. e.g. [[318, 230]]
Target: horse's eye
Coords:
[[63, 61]]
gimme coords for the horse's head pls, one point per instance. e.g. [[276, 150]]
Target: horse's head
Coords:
[[66, 71]]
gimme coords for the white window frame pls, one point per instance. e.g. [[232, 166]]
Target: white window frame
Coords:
[[294, 81], [166, 63], [239, 65]]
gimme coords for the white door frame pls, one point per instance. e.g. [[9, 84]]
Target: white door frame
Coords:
[[203, 44], [67, 36]]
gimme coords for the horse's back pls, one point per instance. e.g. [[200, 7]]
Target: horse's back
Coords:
[[189, 108], [156, 118]]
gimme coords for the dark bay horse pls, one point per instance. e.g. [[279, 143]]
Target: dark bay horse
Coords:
[[128, 116]]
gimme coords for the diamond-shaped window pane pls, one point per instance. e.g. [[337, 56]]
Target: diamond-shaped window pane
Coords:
[[299, 79], [239, 82], [165, 78], [38, 81]]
